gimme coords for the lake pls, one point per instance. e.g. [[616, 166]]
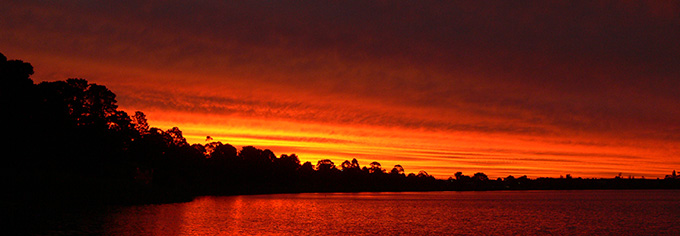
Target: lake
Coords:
[[577, 212]]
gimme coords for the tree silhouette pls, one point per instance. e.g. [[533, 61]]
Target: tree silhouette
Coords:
[[15, 76], [375, 168], [459, 175], [325, 166], [288, 162], [423, 174], [397, 170], [346, 165], [306, 169], [221, 152], [479, 176]]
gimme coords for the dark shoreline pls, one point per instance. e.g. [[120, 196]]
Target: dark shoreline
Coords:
[[541, 184], [41, 203]]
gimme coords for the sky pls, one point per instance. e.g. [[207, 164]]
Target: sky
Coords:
[[536, 88]]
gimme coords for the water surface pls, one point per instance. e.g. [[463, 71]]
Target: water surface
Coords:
[[582, 212]]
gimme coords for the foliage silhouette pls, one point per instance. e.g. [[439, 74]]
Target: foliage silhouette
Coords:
[[69, 143]]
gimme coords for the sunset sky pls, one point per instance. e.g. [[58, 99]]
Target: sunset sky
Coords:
[[537, 88]]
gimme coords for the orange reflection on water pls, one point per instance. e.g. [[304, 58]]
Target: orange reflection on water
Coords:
[[411, 213]]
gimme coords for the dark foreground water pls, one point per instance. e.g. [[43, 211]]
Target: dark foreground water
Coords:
[[584, 212]]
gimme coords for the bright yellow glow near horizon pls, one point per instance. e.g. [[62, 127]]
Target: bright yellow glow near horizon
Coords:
[[439, 153]]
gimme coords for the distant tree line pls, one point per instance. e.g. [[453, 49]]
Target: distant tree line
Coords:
[[68, 142]]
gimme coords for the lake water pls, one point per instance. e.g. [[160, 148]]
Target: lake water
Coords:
[[583, 212]]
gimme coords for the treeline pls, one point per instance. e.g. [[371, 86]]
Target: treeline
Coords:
[[68, 142]]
